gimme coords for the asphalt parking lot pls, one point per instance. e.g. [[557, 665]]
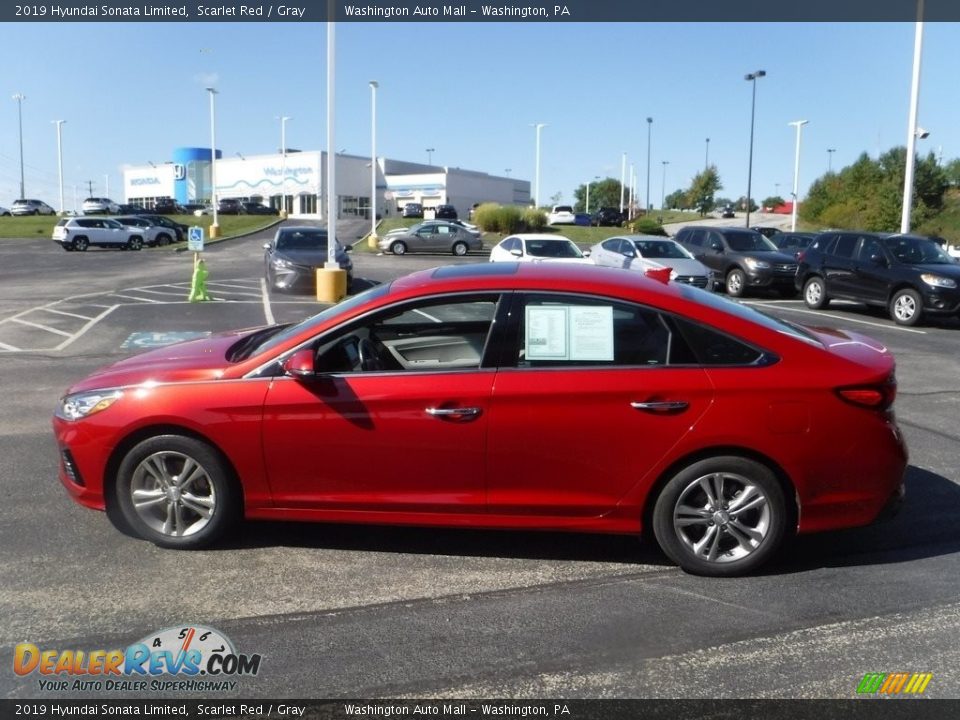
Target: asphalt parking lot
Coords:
[[344, 611]]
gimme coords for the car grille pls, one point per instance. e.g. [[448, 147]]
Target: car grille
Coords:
[[790, 268], [699, 281]]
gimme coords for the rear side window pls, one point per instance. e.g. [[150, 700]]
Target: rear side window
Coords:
[[844, 246], [709, 347]]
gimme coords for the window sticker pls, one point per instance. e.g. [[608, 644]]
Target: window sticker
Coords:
[[569, 332]]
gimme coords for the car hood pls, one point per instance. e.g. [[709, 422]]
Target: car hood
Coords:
[[314, 257], [192, 360], [682, 266], [774, 256], [947, 270]]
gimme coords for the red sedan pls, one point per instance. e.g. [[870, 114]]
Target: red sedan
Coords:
[[501, 396]]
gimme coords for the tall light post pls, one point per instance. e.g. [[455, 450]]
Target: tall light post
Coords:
[[373, 161], [536, 186], [430, 156], [830, 152], [706, 157], [215, 227], [633, 193], [59, 124], [623, 179], [752, 79], [663, 188], [798, 124], [283, 163], [912, 131], [20, 97], [647, 199]]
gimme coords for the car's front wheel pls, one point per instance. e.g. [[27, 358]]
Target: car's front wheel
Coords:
[[736, 282], [135, 243], [721, 517], [815, 294], [398, 248], [906, 307], [176, 492]]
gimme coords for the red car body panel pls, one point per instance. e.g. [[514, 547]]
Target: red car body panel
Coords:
[[550, 448]]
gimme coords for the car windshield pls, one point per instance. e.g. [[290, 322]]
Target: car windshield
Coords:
[[553, 249], [271, 340], [745, 240], [302, 240], [660, 249], [917, 251]]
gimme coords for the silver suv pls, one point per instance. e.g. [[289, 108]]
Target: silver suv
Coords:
[[31, 207], [97, 205], [79, 233]]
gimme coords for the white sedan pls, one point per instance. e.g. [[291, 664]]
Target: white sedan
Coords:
[[537, 248], [649, 252], [561, 215]]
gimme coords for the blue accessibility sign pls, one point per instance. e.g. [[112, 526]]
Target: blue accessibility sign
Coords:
[[195, 238]]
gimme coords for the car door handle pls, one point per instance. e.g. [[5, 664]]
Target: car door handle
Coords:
[[463, 413], [666, 406]]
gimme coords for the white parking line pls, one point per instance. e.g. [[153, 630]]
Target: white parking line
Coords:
[[68, 314], [134, 297], [4, 346], [83, 330], [232, 285], [845, 318], [267, 310], [41, 327]]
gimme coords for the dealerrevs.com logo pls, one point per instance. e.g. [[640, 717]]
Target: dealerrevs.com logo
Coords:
[[197, 658], [898, 683]]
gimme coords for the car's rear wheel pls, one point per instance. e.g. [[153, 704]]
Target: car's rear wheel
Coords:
[[135, 243], [736, 282], [163, 239], [906, 307], [80, 244], [176, 492], [815, 294], [460, 248], [398, 248], [722, 516]]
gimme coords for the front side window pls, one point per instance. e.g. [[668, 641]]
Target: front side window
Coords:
[[428, 335]]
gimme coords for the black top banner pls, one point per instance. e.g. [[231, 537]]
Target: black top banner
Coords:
[[486, 11]]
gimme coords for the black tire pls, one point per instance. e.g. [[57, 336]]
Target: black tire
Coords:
[[736, 282], [906, 307], [163, 239], [135, 243], [183, 513], [398, 248], [459, 248], [80, 244], [68, 247], [706, 533], [815, 293]]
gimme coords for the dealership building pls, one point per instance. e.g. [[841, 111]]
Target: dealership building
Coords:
[[298, 181]]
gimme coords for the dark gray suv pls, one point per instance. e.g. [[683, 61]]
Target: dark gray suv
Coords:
[[741, 259]]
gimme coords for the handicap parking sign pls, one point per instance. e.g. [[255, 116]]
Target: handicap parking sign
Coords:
[[195, 239]]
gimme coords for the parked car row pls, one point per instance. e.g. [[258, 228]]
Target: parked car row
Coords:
[[125, 232]]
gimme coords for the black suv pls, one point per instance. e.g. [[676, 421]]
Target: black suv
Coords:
[[166, 206], [907, 274], [608, 216], [445, 212], [740, 258]]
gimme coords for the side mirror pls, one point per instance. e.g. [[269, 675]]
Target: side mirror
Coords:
[[266, 246], [586, 253], [716, 246], [300, 364], [348, 248], [516, 253], [878, 260]]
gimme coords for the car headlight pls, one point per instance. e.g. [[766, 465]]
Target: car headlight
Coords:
[[755, 264], [938, 281], [84, 404], [281, 263]]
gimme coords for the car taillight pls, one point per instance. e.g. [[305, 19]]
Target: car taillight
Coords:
[[875, 397], [801, 255]]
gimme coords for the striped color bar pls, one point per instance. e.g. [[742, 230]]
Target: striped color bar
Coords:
[[894, 683]]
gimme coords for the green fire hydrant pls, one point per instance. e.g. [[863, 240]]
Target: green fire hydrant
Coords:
[[198, 285]]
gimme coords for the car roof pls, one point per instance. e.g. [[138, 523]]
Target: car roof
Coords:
[[538, 236]]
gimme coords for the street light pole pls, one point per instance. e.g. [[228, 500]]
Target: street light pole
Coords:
[[373, 159], [283, 164], [798, 124], [215, 227], [647, 199], [20, 97], [830, 152], [706, 158], [912, 129], [536, 188], [59, 124], [430, 156], [623, 179], [752, 78]]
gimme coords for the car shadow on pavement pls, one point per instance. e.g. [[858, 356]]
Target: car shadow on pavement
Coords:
[[925, 527]]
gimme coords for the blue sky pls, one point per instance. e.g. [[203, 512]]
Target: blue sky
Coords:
[[130, 93]]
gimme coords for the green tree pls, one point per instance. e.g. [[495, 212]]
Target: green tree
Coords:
[[603, 193], [703, 188], [676, 199], [952, 172], [773, 201]]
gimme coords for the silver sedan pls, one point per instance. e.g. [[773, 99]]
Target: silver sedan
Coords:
[[432, 237], [649, 252]]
